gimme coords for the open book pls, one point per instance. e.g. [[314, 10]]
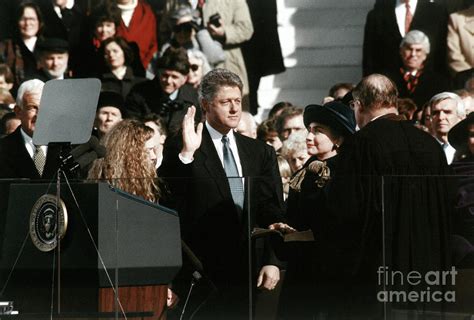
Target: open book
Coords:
[[287, 237]]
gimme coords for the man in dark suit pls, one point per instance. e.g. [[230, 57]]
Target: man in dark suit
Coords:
[[19, 157], [395, 214], [385, 27], [218, 209], [168, 94], [413, 80], [66, 19]]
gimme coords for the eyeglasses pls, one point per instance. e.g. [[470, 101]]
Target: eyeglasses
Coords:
[[26, 19], [195, 67]]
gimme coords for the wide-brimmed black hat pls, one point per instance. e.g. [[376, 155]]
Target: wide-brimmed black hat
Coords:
[[56, 45], [458, 134], [334, 114]]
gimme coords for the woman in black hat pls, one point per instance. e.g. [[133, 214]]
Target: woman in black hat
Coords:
[[327, 126], [461, 137]]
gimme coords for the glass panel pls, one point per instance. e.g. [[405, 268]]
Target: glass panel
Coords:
[[386, 240], [427, 262]]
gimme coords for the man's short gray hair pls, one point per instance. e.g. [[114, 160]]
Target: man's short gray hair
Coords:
[[416, 37], [30, 86], [214, 80], [460, 108]]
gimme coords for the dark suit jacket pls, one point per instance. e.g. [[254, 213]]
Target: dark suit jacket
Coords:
[[200, 191], [148, 97], [429, 84], [15, 162], [382, 37], [71, 27]]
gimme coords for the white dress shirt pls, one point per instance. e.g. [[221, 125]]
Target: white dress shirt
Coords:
[[400, 12], [449, 151], [69, 5], [216, 137], [30, 147]]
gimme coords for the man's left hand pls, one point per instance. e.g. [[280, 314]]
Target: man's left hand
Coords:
[[268, 277], [216, 32]]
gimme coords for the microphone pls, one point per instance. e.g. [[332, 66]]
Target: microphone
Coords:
[[83, 155]]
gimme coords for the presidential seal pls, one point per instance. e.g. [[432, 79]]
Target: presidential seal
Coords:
[[43, 226]]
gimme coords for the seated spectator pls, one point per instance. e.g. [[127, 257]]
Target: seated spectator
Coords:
[[278, 108], [103, 23], [110, 111], [19, 157], [9, 123], [267, 133], [118, 57], [413, 80], [285, 174], [295, 151], [199, 67], [247, 125], [188, 34], [168, 95], [6, 98], [407, 108], [289, 121], [468, 99], [423, 118], [138, 24], [338, 91], [53, 57], [460, 40], [157, 124], [447, 109], [19, 52], [7, 80]]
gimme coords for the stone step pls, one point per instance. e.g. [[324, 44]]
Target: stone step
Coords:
[[367, 4], [330, 56], [312, 77], [321, 37], [327, 18]]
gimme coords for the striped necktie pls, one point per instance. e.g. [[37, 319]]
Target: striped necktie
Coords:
[[232, 173], [408, 16]]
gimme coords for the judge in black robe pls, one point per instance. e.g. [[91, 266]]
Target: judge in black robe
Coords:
[[390, 207]]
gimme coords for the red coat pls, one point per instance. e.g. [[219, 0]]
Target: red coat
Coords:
[[142, 30]]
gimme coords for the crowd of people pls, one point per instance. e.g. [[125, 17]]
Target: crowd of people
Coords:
[[366, 169]]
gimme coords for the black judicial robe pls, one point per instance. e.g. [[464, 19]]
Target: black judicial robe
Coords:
[[390, 206]]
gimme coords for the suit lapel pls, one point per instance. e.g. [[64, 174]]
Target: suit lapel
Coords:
[[392, 25], [213, 164], [244, 155], [22, 159]]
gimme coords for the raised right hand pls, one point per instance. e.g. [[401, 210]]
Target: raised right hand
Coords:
[[191, 137]]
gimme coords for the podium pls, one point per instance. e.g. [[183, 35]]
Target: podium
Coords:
[[113, 239]]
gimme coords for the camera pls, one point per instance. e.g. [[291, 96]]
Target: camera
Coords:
[[214, 19]]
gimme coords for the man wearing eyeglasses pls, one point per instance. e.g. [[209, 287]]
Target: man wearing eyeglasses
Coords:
[[168, 94]]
